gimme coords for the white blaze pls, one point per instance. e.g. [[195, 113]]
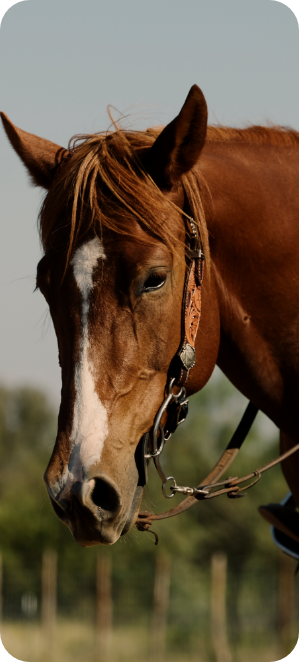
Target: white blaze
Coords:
[[90, 424]]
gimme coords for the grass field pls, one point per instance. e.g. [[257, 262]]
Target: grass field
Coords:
[[74, 641]]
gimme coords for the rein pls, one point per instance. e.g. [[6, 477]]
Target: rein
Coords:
[[228, 486], [175, 407]]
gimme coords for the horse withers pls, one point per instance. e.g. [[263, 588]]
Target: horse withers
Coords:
[[113, 274]]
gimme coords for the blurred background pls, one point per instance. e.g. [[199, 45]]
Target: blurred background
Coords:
[[215, 588]]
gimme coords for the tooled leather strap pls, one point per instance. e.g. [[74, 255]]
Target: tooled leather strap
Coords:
[[186, 356]]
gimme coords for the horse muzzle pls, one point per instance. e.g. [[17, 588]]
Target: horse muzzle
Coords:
[[92, 509]]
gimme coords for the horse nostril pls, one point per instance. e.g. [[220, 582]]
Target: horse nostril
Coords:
[[104, 496]]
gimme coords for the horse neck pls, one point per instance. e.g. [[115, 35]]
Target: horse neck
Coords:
[[253, 242]]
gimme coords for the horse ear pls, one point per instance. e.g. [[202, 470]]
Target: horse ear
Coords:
[[40, 156], [178, 146]]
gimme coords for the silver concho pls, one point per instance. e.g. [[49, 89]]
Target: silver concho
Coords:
[[188, 357]]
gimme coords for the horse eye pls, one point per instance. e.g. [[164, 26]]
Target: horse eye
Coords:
[[154, 282]]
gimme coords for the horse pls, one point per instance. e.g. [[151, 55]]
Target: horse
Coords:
[[113, 229]]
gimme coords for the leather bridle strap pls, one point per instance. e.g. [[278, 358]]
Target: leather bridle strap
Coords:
[[185, 357]]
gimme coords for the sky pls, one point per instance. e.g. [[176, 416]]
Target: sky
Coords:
[[63, 61]]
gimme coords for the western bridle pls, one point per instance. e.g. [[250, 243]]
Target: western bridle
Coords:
[[175, 406]]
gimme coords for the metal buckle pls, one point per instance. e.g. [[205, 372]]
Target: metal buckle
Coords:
[[196, 254]]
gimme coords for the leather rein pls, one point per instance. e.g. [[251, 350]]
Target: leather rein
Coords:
[[175, 407]]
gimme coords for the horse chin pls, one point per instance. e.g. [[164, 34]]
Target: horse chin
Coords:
[[133, 510], [89, 530]]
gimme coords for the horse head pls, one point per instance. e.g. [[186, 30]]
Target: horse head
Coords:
[[113, 276]]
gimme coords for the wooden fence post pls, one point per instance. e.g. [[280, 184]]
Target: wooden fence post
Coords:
[[48, 609], [218, 608], [103, 608], [286, 602], [160, 607]]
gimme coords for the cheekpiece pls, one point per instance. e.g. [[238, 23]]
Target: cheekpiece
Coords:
[[188, 357]]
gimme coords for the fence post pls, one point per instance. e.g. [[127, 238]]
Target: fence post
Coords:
[[286, 602], [49, 579], [218, 608], [103, 608], [160, 607]]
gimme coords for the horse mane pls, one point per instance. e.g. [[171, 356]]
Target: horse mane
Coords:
[[261, 135], [104, 184]]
